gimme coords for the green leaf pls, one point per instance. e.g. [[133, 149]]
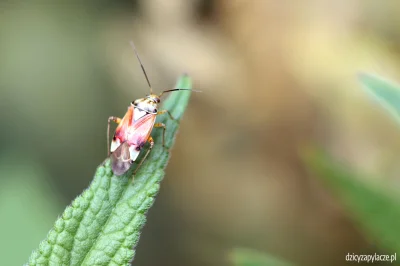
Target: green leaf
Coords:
[[385, 92], [248, 257], [371, 206], [102, 226]]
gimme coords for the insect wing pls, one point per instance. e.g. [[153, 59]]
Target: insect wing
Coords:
[[141, 130], [132, 135], [122, 129], [121, 159], [121, 132]]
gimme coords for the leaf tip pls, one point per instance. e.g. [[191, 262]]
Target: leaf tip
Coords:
[[184, 81]]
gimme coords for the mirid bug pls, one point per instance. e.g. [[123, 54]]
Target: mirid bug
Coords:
[[134, 129]]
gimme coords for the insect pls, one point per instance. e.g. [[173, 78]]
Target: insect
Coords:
[[134, 129]]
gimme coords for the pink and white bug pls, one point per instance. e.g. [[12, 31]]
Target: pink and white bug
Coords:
[[134, 129]]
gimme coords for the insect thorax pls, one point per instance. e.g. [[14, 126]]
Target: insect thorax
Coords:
[[144, 106]]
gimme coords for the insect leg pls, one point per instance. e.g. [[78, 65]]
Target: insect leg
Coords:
[[116, 120], [151, 141], [164, 128], [166, 111]]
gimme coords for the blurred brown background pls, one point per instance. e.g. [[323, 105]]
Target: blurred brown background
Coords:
[[275, 75]]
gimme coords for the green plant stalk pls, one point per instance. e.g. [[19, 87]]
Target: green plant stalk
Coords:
[[102, 226], [374, 209], [385, 92], [249, 257]]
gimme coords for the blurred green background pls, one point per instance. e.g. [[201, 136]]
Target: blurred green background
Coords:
[[275, 75]]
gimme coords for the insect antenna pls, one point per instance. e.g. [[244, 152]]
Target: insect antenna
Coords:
[[141, 65], [177, 90]]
